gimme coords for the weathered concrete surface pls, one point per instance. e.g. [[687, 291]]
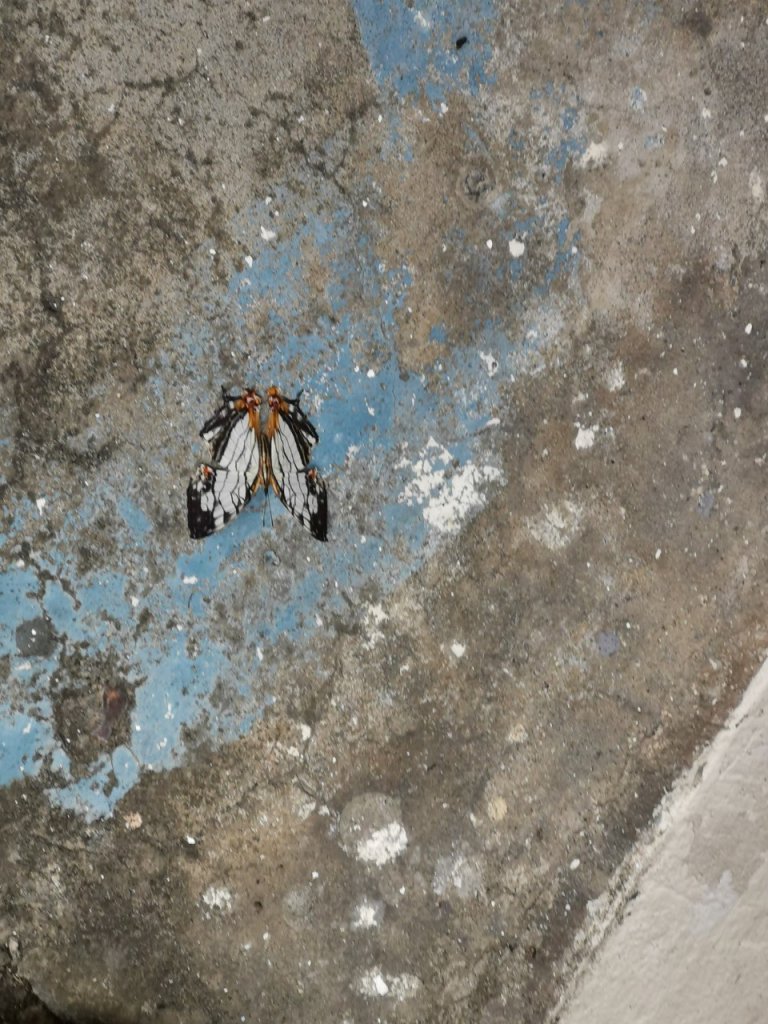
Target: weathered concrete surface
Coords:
[[407, 759]]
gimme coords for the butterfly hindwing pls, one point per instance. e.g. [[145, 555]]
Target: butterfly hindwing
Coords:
[[214, 496]]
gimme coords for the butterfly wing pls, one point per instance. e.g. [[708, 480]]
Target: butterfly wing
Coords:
[[220, 490], [214, 496], [290, 439]]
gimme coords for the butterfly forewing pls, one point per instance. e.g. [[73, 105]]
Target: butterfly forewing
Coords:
[[219, 491], [291, 438]]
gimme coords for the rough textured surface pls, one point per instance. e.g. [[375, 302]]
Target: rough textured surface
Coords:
[[522, 279]]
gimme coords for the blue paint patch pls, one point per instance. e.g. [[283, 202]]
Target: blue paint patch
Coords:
[[412, 48]]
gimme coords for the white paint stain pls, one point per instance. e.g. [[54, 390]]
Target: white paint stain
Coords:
[[383, 844], [595, 155], [218, 898], [375, 616], [614, 378], [41, 503], [491, 363], [748, 329], [557, 525], [249, 261], [189, 580], [397, 986], [585, 436], [516, 248], [458, 649], [267, 234], [517, 734], [367, 915], [446, 498], [372, 983]]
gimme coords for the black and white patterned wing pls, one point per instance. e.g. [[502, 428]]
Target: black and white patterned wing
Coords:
[[218, 428], [219, 491], [214, 496], [290, 438], [290, 411]]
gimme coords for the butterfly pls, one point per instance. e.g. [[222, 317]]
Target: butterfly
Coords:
[[257, 445]]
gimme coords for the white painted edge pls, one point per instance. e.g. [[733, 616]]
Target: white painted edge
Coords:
[[673, 807]]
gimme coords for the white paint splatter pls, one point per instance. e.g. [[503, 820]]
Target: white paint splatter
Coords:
[[748, 329], [267, 234], [614, 378], [458, 649], [516, 248], [595, 155], [189, 580], [249, 261], [491, 363], [372, 983], [446, 499], [397, 986], [737, 413], [557, 525], [383, 844], [585, 436], [375, 616], [41, 503], [517, 734], [367, 915], [574, 864], [218, 898]]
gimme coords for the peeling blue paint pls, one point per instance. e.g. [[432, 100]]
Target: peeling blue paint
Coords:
[[412, 48]]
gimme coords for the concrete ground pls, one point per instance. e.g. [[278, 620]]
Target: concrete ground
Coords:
[[515, 255]]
